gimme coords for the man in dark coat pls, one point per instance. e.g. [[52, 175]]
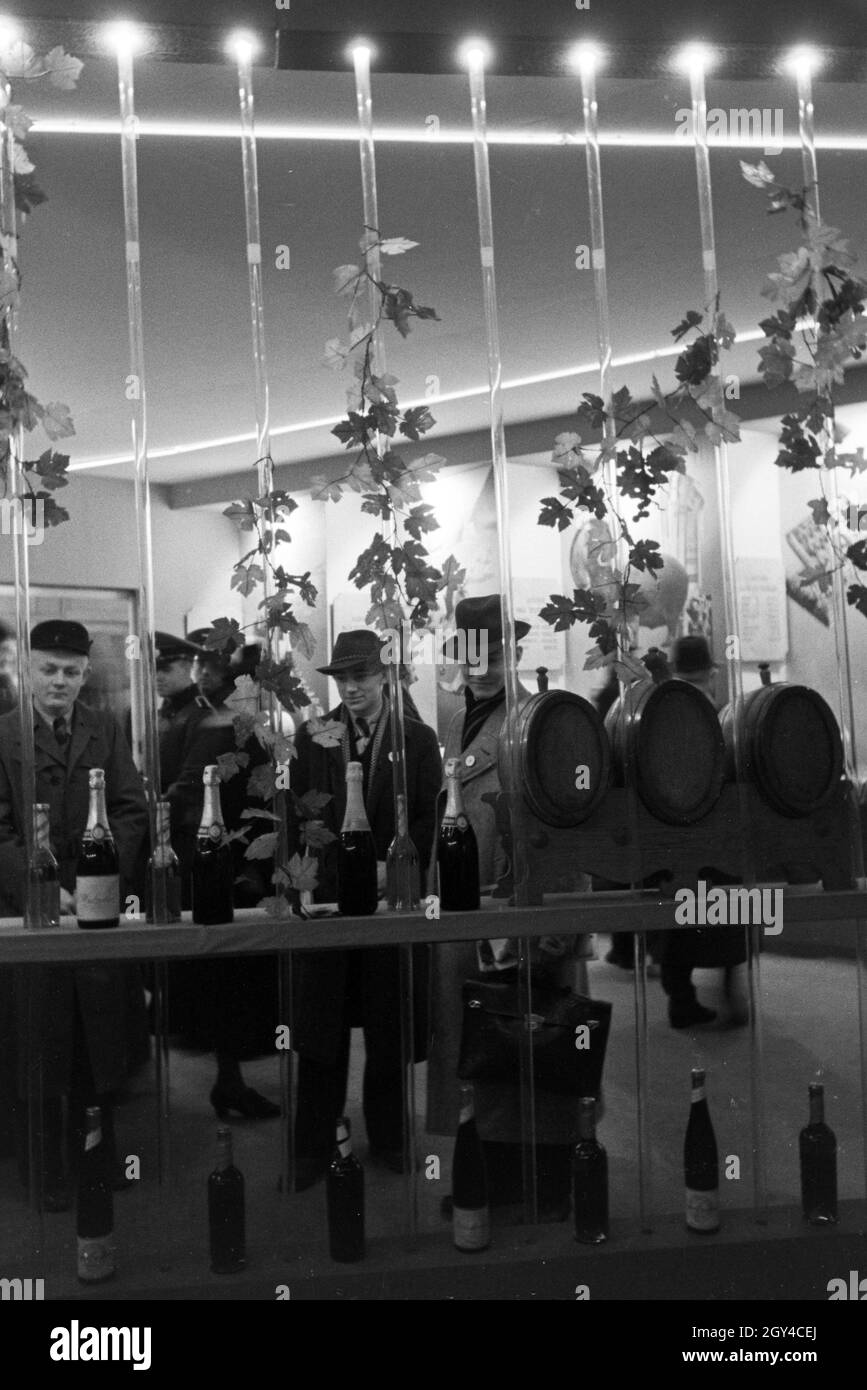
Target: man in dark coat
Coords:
[[86, 1011], [182, 705], [339, 990]]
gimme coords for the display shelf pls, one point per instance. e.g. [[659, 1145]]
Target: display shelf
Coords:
[[254, 932]]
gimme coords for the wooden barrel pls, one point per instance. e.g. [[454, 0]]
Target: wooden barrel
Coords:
[[666, 740], [790, 747], [563, 755]]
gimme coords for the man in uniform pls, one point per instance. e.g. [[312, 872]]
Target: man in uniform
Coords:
[[85, 1013], [182, 705]]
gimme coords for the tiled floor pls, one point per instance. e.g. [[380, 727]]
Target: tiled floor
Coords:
[[810, 1026]]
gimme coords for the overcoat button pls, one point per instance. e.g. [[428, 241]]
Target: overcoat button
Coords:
[[470, 761]]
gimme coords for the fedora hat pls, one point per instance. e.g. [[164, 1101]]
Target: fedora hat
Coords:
[[360, 649], [481, 616], [690, 656]]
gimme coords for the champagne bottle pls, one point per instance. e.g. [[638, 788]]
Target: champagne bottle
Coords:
[[94, 1206], [457, 850], [700, 1163], [357, 893], [213, 871], [43, 874], [818, 1153], [402, 871], [163, 884], [589, 1179], [97, 880], [471, 1212], [344, 1192], [226, 1209]]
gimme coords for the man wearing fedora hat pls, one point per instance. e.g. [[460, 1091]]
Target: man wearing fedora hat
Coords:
[[338, 990], [86, 1012], [473, 738]]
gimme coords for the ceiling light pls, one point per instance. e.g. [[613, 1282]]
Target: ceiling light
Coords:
[[123, 37], [694, 56], [802, 61], [474, 53], [243, 46], [585, 57]]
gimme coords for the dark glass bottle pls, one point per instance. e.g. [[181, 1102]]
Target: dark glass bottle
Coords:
[[163, 883], [43, 874], [589, 1179], [402, 871], [457, 850], [818, 1153], [701, 1163], [97, 879], [226, 1210], [471, 1212], [357, 893], [344, 1192], [94, 1220], [213, 870]]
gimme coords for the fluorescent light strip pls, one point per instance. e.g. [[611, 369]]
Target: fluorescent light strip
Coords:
[[415, 135], [516, 384]]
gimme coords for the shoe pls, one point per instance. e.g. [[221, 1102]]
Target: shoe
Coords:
[[392, 1159], [690, 1015], [244, 1100]]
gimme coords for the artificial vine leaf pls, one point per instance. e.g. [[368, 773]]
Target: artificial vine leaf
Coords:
[[697, 361], [52, 514], [857, 553], [303, 873], [776, 360], [591, 412], [798, 450], [645, 556], [819, 509], [262, 783], [263, 847], [759, 175], [346, 279], [690, 320], [51, 468], [420, 519], [242, 513], [230, 764], [280, 677], [328, 733], [246, 578], [312, 802], [63, 70], [562, 612], [416, 422], [28, 194], [225, 634], [555, 513], [316, 835], [396, 246], [856, 595]]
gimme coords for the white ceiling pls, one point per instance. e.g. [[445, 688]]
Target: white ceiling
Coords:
[[73, 321]]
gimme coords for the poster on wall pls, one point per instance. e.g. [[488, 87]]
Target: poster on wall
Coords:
[[762, 617]]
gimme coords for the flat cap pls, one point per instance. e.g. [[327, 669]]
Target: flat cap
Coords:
[[59, 635]]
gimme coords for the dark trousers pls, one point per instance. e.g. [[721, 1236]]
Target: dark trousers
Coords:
[[322, 1095], [503, 1166], [677, 983]]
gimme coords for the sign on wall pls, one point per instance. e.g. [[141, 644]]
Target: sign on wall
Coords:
[[764, 630]]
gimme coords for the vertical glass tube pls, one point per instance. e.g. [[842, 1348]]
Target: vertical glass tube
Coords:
[[809, 164], [478, 106], [137, 384], [265, 473], [18, 492], [603, 338], [372, 232], [733, 666], [147, 654]]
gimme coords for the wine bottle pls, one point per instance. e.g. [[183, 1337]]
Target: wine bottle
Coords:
[[818, 1153], [43, 874], [94, 1206], [97, 880], [589, 1179], [471, 1212], [163, 883], [357, 893], [344, 1192], [402, 871], [700, 1163], [226, 1209], [213, 871], [457, 850]]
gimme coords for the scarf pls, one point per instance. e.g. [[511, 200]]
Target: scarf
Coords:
[[477, 713]]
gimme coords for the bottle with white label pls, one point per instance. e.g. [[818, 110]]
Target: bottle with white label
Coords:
[[43, 874], [701, 1163], [471, 1212], [213, 868], [94, 1206], [97, 879]]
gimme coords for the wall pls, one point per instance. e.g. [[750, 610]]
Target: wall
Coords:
[[193, 552]]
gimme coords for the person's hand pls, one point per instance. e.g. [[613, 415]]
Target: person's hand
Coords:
[[381, 878], [67, 902]]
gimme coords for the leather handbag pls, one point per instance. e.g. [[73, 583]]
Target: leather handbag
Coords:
[[569, 1033]]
